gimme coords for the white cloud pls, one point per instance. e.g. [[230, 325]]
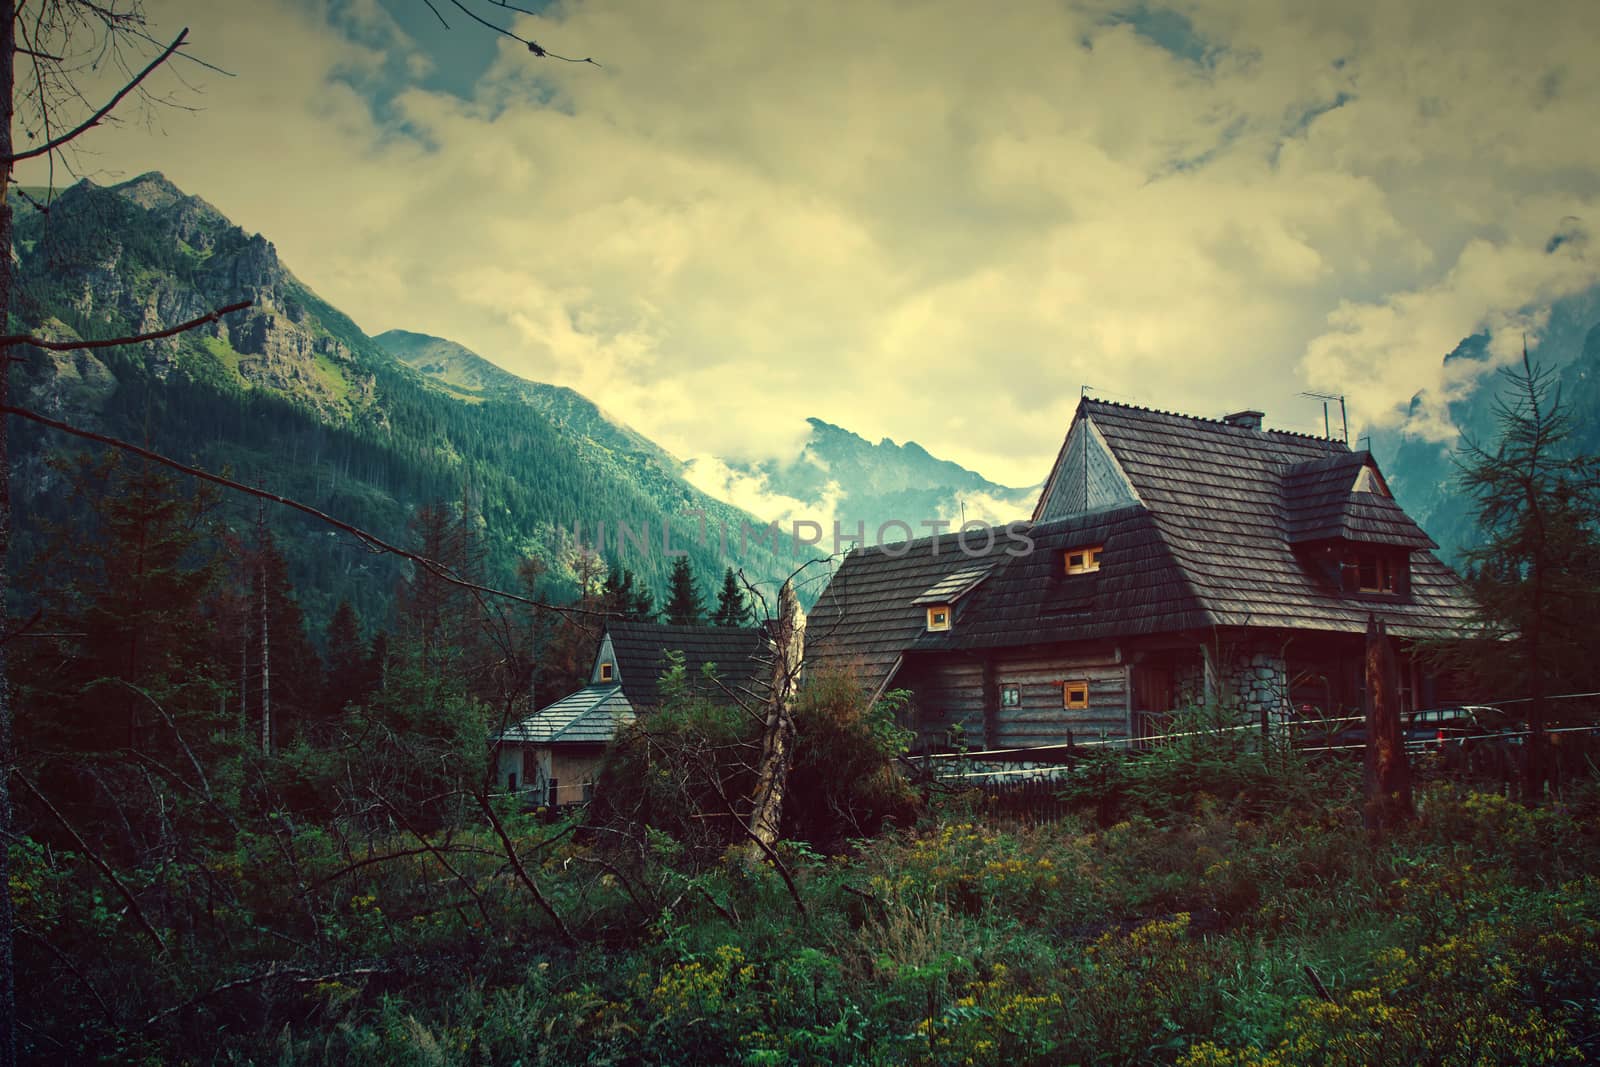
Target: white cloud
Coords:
[[920, 222], [752, 492]]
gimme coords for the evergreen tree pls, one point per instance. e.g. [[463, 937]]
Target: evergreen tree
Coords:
[[625, 596], [644, 604], [732, 610], [440, 617], [1537, 573], [285, 671], [136, 676], [350, 675], [685, 605]]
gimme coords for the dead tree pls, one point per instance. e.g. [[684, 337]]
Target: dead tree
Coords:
[[777, 735], [1388, 777]]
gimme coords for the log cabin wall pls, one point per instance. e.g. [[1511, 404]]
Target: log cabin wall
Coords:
[[948, 690]]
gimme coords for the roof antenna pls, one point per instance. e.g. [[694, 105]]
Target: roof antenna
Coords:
[[1083, 391], [1344, 419]]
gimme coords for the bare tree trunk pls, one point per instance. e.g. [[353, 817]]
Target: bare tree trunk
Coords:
[[266, 656], [777, 741], [266, 669], [1388, 776], [8, 971], [1535, 770]]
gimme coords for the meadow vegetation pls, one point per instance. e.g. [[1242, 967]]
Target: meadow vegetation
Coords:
[[1255, 924]]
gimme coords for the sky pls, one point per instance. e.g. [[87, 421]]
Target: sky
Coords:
[[924, 220]]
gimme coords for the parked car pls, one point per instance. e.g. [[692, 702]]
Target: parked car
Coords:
[[1474, 736]]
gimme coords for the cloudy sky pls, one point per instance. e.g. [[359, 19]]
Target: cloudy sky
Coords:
[[931, 219]]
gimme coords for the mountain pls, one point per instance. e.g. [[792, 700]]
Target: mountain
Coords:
[[840, 476], [1422, 473], [468, 375], [292, 395]]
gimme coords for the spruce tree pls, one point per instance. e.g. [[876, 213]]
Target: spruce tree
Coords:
[[286, 673], [1537, 572], [626, 597], [732, 610], [685, 604], [349, 677]]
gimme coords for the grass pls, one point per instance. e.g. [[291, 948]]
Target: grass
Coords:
[[225, 354], [1193, 931]]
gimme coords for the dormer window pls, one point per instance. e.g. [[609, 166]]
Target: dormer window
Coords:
[[1374, 571], [1083, 560], [938, 617], [607, 672]]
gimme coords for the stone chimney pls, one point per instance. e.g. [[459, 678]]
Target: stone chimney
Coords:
[[1245, 420]]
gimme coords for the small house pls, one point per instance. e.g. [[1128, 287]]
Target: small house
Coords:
[[555, 753]]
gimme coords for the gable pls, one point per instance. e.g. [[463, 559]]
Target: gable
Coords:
[[1344, 497], [1086, 477], [607, 655]]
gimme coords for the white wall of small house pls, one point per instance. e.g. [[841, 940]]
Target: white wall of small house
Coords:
[[509, 759]]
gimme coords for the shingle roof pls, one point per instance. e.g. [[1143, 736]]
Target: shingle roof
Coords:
[[1216, 493], [865, 618], [740, 654], [1203, 535], [1321, 503], [953, 587], [592, 714], [1139, 588]]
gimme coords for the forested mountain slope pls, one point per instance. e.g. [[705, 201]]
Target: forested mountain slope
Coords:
[[292, 395]]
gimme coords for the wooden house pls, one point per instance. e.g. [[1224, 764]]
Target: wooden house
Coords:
[[1170, 561], [555, 753]]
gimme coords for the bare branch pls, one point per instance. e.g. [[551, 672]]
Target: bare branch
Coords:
[[533, 46], [438, 570], [131, 339], [522, 872], [94, 119], [438, 854], [294, 974], [436, 14], [100, 864]]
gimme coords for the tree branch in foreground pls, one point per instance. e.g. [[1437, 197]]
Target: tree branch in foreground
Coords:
[[117, 342], [94, 857], [94, 120], [522, 872], [438, 570]]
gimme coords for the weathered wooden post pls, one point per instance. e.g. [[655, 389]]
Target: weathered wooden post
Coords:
[[1388, 776], [777, 739]]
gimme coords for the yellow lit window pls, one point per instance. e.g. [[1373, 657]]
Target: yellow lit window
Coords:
[[939, 617], [1075, 694], [606, 672], [1083, 560]]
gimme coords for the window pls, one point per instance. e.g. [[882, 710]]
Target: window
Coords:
[[1373, 572], [1010, 695], [939, 617], [606, 672], [1083, 560], [1075, 694]]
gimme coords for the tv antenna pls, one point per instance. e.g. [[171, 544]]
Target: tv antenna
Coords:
[[1344, 420]]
